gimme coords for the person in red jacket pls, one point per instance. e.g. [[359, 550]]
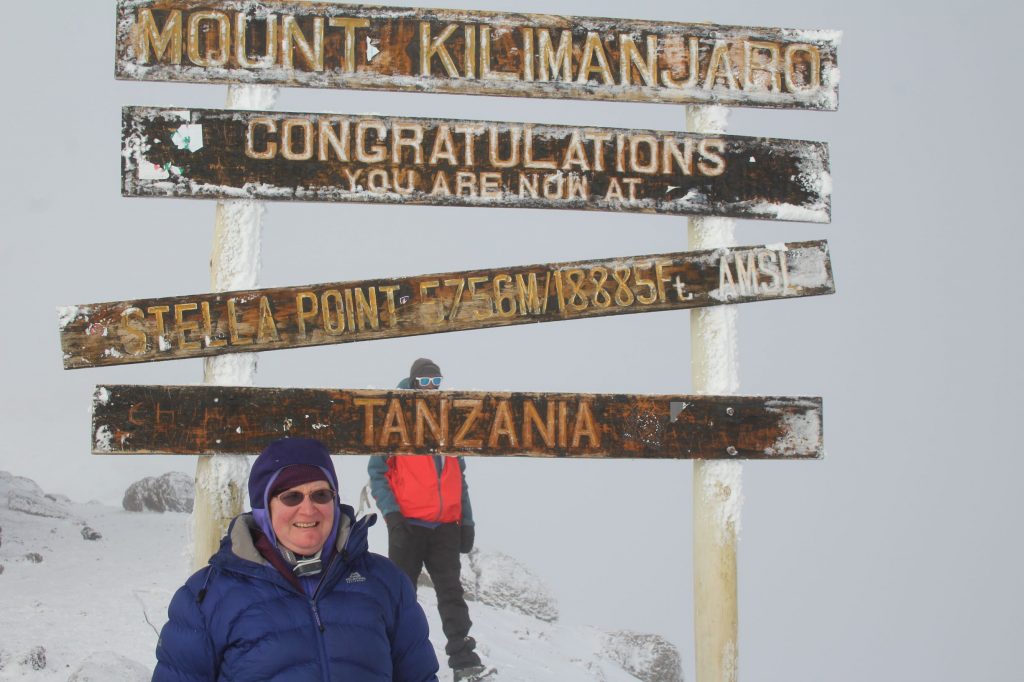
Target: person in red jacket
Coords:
[[425, 503]]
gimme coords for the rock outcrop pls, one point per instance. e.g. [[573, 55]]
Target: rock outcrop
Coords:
[[650, 658], [174, 492], [501, 581]]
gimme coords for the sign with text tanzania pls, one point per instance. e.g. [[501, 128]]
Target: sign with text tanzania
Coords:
[[339, 312], [334, 45], [216, 153], [193, 420]]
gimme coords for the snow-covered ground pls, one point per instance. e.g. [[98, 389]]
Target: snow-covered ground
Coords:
[[88, 610]]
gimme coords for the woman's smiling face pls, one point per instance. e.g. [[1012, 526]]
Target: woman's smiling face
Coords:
[[304, 528]]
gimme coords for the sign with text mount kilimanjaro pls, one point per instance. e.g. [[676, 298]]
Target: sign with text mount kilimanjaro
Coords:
[[196, 420], [216, 153], [335, 45]]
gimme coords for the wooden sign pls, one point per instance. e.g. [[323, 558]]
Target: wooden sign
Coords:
[[270, 319], [333, 45], [195, 420], [216, 153]]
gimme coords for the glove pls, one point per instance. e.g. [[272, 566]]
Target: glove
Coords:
[[398, 528], [466, 539]]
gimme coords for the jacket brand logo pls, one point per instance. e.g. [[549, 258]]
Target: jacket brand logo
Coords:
[[355, 577]]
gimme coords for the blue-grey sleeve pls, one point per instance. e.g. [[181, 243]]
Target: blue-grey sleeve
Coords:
[[467, 507], [185, 652], [379, 486]]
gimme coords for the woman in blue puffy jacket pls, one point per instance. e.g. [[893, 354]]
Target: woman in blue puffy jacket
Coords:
[[293, 594]]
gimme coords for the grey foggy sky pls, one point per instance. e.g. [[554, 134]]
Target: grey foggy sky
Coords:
[[897, 557]]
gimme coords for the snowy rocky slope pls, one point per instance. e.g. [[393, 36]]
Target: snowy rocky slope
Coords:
[[84, 591]]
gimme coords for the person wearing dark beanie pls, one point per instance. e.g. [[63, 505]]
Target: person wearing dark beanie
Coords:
[[425, 503], [293, 595]]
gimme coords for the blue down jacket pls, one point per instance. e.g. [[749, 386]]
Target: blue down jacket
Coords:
[[239, 620]]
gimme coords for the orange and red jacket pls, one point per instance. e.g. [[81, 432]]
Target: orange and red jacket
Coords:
[[423, 494]]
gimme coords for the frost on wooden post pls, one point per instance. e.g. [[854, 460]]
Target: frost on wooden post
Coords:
[[715, 350], [722, 492]]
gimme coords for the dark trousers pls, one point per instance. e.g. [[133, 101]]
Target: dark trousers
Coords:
[[414, 547]]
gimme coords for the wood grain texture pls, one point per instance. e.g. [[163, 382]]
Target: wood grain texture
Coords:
[[243, 420], [283, 156], [123, 332], [334, 45]]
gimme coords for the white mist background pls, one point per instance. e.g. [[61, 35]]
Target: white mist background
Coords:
[[897, 557]]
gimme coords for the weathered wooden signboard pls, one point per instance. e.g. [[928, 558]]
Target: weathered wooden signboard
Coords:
[[242, 420], [334, 45], [269, 319], [213, 153]]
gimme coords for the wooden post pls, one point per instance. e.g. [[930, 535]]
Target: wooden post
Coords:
[[234, 264], [716, 483]]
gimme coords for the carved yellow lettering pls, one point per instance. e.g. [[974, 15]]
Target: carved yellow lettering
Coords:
[[331, 313], [158, 311], [532, 420], [711, 152], [182, 327], [329, 139], [593, 51], [369, 435], [575, 154], [250, 137], [692, 64], [503, 425], [640, 161], [399, 140], [670, 152], [440, 186], [629, 56], [236, 338], [288, 150], [293, 37], [438, 425], [303, 313], [435, 46], [159, 41], [485, 59], [746, 274], [376, 153], [444, 146], [350, 25], [720, 61], [366, 309], [241, 52], [529, 160], [475, 405], [389, 298], [812, 70], [394, 425], [725, 279], [555, 63], [211, 342], [133, 335], [212, 56], [266, 330], [493, 141], [584, 427], [769, 67]]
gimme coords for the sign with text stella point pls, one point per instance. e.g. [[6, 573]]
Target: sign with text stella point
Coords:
[[124, 332]]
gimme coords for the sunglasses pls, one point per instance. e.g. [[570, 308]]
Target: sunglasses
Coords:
[[427, 381], [294, 498]]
